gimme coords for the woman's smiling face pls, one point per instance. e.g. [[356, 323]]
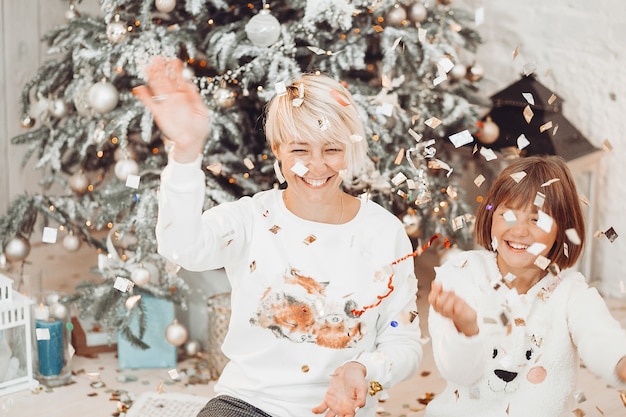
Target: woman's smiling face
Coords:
[[312, 169], [514, 231]]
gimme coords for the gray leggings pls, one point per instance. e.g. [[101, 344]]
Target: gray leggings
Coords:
[[226, 406]]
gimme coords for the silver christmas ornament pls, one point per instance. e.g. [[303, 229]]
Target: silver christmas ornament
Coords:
[[417, 13], [192, 347], [224, 97], [458, 72], [396, 16], [475, 73], [125, 167], [78, 182], [17, 249], [58, 108], [175, 333], [165, 6], [103, 97], [124, 152], [27, 122], [140, 276], [263, 29], [71, 243], [116, 30]]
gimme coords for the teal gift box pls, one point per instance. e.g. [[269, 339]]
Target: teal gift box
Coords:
[[159, 314]]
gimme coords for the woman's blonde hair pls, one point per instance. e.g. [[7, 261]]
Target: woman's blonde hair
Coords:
[[550, 176], [323, 111]]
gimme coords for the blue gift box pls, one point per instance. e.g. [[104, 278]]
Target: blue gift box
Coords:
[[159, 314]]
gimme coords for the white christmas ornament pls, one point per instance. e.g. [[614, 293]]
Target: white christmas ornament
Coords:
[[103, 97], [224, 97], [192, 347], [71, 243], [263, 29], [489, 133], [176, 334], [396, 16], [78, 182], [17, 249], [58, 108], [124, 168], [140, 276], [417, 13], [165, 6]]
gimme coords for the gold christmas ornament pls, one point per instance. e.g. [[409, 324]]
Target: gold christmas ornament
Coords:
[[489, 132], [116, 30], [224, 97], [175, 333], [396, 16], [263, 29], [417, 12], [27, 122], [475, 73], [78, 182]]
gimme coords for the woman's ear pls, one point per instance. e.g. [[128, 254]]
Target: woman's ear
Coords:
[[275, 151]]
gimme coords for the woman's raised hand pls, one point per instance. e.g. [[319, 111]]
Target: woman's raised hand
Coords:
[[450, 305], [177, 106]]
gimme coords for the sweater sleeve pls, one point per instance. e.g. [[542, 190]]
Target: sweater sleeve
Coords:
[[398, 350], [184, 234], [598, 336]]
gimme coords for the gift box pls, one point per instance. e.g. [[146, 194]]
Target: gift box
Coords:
[[159, 314], [89, 338]]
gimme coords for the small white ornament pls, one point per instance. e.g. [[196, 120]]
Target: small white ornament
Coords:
[[78, 183], [140, 276], [176, 334], [17, 249], [263, 29], [165, 6], [224, 97], [116, 30], [489, 133], [396, 16], [58, 108], [103, 97], [58, 311], [417, 13], [192, 347], [71, 243], [124, 168]]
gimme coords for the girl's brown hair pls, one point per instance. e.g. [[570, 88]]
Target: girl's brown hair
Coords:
[[550, 176]]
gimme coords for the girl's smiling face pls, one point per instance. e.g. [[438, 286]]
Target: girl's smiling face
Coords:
[[514, 231], [312, 169]]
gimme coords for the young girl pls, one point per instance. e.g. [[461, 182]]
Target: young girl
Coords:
[[321, 318], [509, 324]]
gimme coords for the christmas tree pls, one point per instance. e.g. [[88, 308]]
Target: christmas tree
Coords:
[[408, 63]]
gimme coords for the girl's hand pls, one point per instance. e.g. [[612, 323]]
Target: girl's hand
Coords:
[[177, 106], [449, 305], [346, 392]]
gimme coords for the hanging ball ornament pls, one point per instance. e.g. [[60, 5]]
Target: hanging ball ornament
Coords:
[[103, 96], [78, 182], [475, 73], [17, 249], [458, 72], [192, 347], [58, 311], [224, 97], [124, 152], [489, 132], [175, 333], [72, 13], [396, 16], [263, 29], [126, 167], [140, 276], [39, 108], [188, 73], [27, 122], [116, 30], [165, 6], [58, 108], [417, 13], [71, 242]]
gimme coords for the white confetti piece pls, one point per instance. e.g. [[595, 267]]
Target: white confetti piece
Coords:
[[299, 169], [49, 235], [461, 138], [132, 181]]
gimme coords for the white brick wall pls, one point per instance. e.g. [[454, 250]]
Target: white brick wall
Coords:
[[579, 49]]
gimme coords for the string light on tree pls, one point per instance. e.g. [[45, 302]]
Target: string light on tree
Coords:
[[263, 29]]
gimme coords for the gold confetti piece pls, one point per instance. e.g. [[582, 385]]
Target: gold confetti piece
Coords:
[[374, 388], [552, 99], [528, 114], [415, 135], [305, 368], [583, 199], [553, 180], [600, 410], [529, 98], [566, 249], [215, 168], [309, 239], [611, 234], [518, 176], [399, 157], [572, 235], [556, 129], [274, 229], [451, 191], [248, 163], [607, 146], [519, 322], [479, 180], [515, 53], [252, 266], [622, 395], [545, 126], [426, 398], [578, 412], [542, 262], [433, 122]]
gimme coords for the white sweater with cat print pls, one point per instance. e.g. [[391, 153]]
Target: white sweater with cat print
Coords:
[[525, 359], [306, 296]]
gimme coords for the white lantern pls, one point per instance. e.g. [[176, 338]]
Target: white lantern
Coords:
[[16, 353]]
